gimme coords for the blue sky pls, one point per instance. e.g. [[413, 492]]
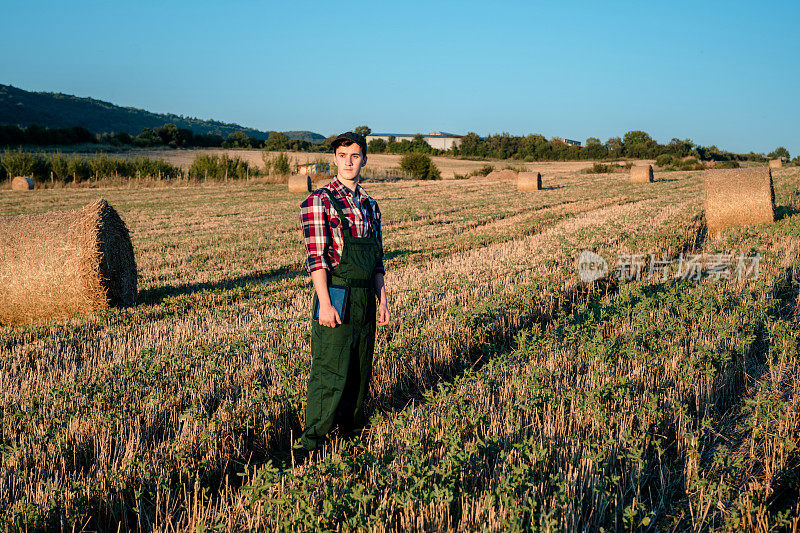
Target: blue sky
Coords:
[[723, 73]]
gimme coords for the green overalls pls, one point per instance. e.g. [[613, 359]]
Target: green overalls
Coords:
[[341, 357]]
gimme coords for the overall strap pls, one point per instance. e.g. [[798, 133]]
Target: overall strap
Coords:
[[345, 220], [337, 207]]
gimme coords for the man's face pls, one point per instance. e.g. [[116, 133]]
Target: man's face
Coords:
[[349, 160]]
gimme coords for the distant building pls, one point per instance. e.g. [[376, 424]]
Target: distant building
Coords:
[[569, 142], [313, 168], [437, 139]]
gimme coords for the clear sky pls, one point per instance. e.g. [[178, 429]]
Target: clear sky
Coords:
[[724, 73]]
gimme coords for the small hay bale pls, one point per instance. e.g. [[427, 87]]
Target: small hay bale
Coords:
[[641, 174], [57, 265], [775, 163], [300, 183], [738, 197], [529, 181], [505, 175], [22, 183]]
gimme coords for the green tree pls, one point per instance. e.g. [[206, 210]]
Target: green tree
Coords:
[[376, 146], [147, 137], [418, 144], [123, 138], [680, 148], [639, 144], [168, 134], [420, 166], [780, 153], [276, 141], [615, 147], [363, 130], [281, 165], [594, 149], [184, 137], [470, 144], [238, 139]]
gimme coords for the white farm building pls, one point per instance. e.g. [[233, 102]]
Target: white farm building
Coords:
[[438, 139]]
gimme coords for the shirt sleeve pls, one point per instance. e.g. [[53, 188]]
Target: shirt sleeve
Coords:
[[314, 220], [377, 210]]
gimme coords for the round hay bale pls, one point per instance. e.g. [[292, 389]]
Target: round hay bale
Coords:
[[57, 265], [775, 163], [22, 183], [641, 174], [321, 183], [300, 183], [529, 181], [738, 197]]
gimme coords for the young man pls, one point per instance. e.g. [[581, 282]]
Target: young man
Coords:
[[344, 246]]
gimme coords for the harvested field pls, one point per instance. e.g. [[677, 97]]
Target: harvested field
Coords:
[[448, 166], [507, 394]]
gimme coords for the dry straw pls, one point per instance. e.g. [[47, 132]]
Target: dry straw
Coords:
[[21, 183], [775, 163], [60, 264], [641, 174], [506, 175], [529, 181], [738, 197], [300, 183]]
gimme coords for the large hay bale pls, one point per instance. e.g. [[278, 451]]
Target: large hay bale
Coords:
[[60, 264], [738, 197], [641, 174], [300, 183], [21, 183], [529, 181], [321, 183], [775, 163]]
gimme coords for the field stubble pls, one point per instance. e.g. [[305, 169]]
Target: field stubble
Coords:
[[506, 392]]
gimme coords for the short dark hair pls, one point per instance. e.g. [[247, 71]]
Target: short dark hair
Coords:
[[345, 143], [348, 138]]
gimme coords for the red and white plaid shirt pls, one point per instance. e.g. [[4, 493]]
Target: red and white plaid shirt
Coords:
[[322, 228]]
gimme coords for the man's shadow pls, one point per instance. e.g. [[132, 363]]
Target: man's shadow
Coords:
[[157, 295]]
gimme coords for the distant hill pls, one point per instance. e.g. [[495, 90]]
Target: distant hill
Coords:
[[56, 110], [303, 135]]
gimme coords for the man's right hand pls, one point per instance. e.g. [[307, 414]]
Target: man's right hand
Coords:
[[328, 316]]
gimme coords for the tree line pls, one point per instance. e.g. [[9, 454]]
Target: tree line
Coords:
[[168, 135], [535, 147]]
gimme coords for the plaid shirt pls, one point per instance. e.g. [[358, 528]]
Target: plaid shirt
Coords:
[[322, 229]]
